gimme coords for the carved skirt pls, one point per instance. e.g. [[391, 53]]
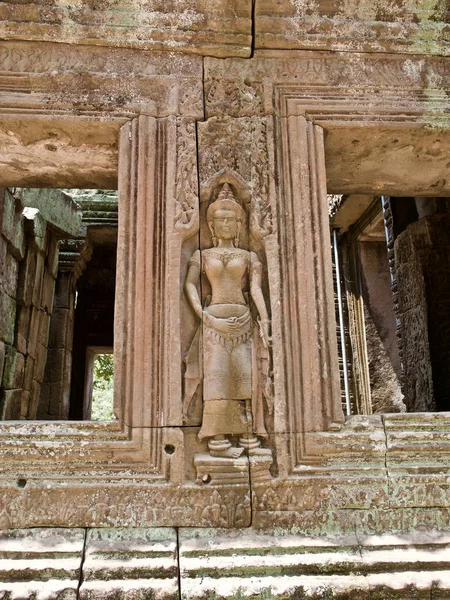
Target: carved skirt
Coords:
[[227, 379]]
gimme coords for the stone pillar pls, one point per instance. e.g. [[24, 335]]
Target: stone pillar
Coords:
[[55, 392], [147, 360], [311, 358]]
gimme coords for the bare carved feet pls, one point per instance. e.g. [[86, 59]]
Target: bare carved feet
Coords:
[[220, 447]]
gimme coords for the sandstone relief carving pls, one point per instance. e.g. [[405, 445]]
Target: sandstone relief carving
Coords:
[[230, 352], [186, 211]]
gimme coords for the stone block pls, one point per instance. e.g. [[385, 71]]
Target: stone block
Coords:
[[53, 256], [3, 250], [29, 372], [245, 563], [216, 28], [34, 332], [221, 471], [11, 408], [7, 318], [55, 365], [55, 207], [35, 227], [38, 281], [282, 564], [58, 328], [23, 324], [34, 399], [13, 373], [45, 327], [27, 277], [355, 27], [2, 358], [12, 226], [10, 274], [48, 292], [41, 563], [130, 563], [59, 400], [25, 405], [43, 411], [41, 358], [64, 291]]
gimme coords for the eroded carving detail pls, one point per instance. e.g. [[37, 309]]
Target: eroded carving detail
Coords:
[[235, 98], [186, 209], [228, 142], [110, 507]]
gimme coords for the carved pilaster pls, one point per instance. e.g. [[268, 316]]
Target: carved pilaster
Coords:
[[157, 212], [311, 360]]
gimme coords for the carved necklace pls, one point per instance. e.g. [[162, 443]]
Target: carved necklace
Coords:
[[225, 255]]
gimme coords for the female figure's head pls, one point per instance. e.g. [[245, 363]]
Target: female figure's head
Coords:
[[224, 217]]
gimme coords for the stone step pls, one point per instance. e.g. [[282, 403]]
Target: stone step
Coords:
[[41, 563], [255, 565], [130, 563]]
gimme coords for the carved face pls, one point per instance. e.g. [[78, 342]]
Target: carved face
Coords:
[[225, 224]]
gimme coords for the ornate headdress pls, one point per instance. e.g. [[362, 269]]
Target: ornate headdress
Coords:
[[225, 200]]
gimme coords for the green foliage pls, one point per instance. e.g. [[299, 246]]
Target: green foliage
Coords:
[[104, 368], [103, 388]]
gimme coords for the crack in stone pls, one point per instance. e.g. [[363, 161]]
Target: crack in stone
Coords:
[[83, 558], [253, 29]]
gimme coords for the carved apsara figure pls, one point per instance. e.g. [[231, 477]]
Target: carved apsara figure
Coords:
[[231, 345]]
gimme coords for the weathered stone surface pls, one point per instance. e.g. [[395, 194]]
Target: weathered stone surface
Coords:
[[14, 369], [10, 270], [422, 264], [2, 357], [12, 224], [41, 563], [285, 565], [284, 128], [222, 28], [393, 159], [7, 317], [132, 563], [58, 151], [11, 404], [55, 207], [112, 505], [352, 26]]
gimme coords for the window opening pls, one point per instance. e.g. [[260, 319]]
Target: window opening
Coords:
[[58, 286], [394, 255], [99, 388]]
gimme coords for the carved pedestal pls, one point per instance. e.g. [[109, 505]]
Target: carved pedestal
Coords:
[[221, 471], [232, 471], [260, 468]]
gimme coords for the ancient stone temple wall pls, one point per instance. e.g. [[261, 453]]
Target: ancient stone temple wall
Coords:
[[423, 255], [31, 238], [230, 469]]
